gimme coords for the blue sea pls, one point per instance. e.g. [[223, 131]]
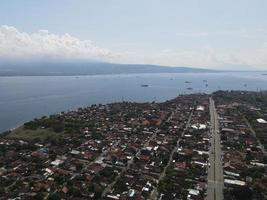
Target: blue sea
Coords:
[[24, 98]]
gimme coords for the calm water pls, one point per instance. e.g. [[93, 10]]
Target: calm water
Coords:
[[23, 98]]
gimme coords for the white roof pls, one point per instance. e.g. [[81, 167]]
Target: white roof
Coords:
[[149, 148], [48, 170], [200, 163], [193, 192], [258, 164], [187, 135], [231, 173], [262, 121], [202, 152], [145, 189], [156, 148], [235, 182], [199, 126], [200, 108], [56, 162], [112, 197], [75, 152]]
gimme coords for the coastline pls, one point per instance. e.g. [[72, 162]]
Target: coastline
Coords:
[[44, 96], [8, 131]]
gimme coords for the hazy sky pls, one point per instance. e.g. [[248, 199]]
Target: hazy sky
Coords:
[[229, 34]]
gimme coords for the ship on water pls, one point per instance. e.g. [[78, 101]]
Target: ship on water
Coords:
[[144, 85]]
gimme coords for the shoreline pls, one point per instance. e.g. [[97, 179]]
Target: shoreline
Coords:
[[20, 125], [145, 73], [8, 131]]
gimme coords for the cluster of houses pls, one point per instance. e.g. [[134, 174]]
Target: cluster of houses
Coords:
[[244, 158], [113, 151], [257, 117], [141, 178], [136, 151], [186, 176]]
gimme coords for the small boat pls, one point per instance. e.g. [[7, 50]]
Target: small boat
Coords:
[[205, 81], [207, 85], [245, 85], [190, 88], [144, 85], [187, 82]]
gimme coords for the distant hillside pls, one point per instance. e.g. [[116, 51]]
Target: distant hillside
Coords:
[[86, 68]]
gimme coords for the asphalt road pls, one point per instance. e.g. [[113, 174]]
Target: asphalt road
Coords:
[[215, 171]]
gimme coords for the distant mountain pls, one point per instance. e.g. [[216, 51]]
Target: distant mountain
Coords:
[[70, 68]]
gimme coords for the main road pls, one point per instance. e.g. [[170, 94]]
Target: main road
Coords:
[[215, 170]]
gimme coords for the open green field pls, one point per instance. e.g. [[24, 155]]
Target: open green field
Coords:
[[27, 134]]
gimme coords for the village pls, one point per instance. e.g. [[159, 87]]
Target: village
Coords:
[[244, 157], [137, 151]]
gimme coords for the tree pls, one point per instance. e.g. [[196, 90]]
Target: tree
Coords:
[[243, 193], [54, 196], [2, 191]]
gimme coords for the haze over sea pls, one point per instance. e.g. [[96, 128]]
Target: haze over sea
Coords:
[[24, 98]]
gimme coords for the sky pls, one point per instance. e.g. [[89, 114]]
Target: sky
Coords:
[[214, 34]]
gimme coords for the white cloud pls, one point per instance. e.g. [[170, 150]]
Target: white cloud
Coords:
[[42, 43], [237, 33], [170, 57], [16, 44], [250, 59]]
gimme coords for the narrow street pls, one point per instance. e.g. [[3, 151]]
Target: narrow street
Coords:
[[254, 134], [124, 169], [154, 193], [215, 170]]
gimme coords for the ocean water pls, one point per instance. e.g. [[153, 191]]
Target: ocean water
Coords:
[[24, 98]]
